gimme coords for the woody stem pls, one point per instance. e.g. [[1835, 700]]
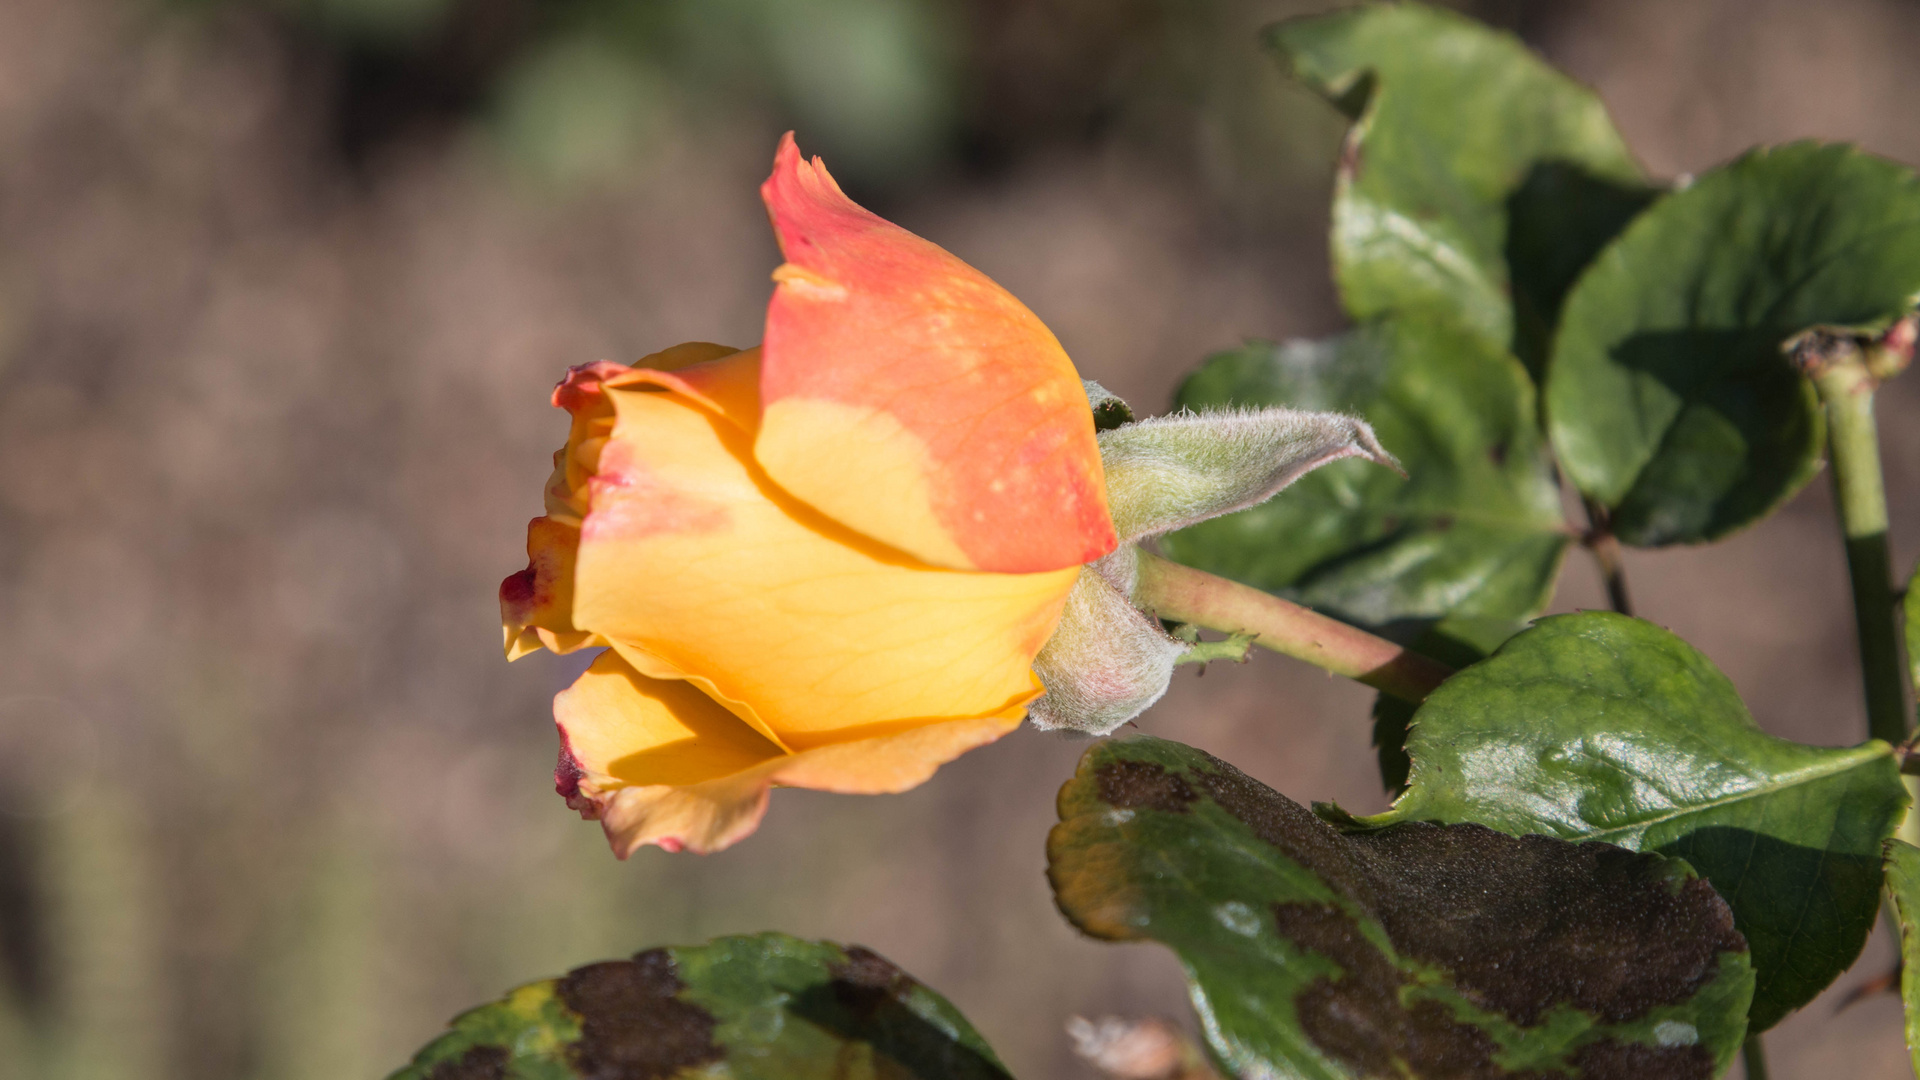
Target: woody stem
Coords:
[[1183, 594]]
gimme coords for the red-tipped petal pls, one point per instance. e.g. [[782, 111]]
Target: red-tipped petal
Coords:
[[906, 395], [536, 604]]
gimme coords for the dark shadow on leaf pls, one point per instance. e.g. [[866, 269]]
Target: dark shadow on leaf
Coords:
[[1558, 220], [1353, 102], [1402, 531], [860, 1008], [1739, 444], [1783, 893]]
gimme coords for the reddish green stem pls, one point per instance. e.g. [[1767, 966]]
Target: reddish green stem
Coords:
[[1186, 595]]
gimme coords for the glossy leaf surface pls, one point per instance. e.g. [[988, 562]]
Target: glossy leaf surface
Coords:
[[1455, 642], [1418, 950], [1475, 528], [1669, 399], [1453, 122], [1596, 726], [1903, 888], [761, 1007]]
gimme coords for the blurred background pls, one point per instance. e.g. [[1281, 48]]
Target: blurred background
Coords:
[[284, 285]]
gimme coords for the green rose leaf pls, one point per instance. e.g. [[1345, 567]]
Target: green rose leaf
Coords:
[[1903, 886], [1597, 726], [1418, 950], [1457, 129], [1475, 528], [1669, 399], [1558, 222], [1455, 642], [760, 1007]]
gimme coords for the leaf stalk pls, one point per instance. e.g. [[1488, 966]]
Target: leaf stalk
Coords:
[[1183, 594], [1845, 376], [1753, 1058], [1605, 549]]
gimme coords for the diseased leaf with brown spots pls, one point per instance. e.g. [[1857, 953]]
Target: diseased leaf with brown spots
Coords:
[[1596, 726], [632, 1023], [478, 1063], [1418, 950], [761, 1007]]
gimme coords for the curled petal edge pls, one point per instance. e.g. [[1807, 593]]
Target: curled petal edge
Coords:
[[716, 814], [536, 604], [658, 761]]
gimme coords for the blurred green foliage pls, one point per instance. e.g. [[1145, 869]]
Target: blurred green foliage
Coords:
[[577, 89], [580, 91], [871, 82]]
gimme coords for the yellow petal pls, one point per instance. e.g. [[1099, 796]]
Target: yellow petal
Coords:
[[656, 762], [729, 384], [624, 729], [813, 632], [536, 604], [860, 465]]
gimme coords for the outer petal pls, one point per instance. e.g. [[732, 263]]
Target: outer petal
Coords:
[[657, 762], [694, 564], [620, 728], [908, 396]]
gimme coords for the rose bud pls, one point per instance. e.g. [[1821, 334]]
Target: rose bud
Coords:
[[827, 562], [846, 557]]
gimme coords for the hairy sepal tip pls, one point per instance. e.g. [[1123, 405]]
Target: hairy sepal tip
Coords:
[[1168, 472]]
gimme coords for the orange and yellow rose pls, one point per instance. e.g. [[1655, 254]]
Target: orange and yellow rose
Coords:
[[826, 562]]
